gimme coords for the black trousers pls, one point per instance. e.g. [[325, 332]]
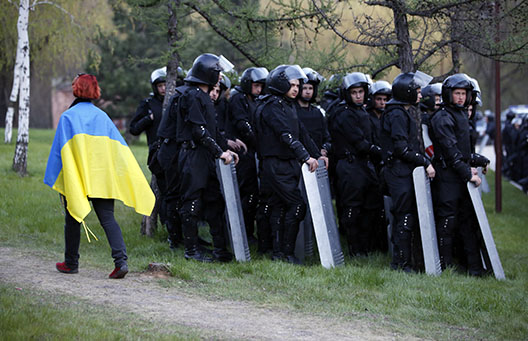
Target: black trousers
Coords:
[[104, 208], [287, 205], [248, 187], [359, 197], [200, 196], [455, 216]]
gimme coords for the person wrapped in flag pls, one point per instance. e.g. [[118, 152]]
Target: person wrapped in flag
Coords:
[[90, 161]]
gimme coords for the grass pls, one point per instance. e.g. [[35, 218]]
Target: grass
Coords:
[[27, 314], [444, 307]]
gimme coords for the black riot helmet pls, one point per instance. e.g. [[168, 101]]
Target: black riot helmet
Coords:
[[405, 87], [180, 75], [476, 98], [315, 79], [429, 94], [354, 80], [252, 75], [456, 81], [158, 76], [225, 83], [278, 81], [205, 70], [381, 88]]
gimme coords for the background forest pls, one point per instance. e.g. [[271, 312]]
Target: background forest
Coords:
[[122, 41]]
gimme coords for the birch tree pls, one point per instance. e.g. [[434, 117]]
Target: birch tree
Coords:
[[56, 14]]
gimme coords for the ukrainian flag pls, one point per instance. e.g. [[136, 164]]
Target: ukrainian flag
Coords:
[[90, 158]]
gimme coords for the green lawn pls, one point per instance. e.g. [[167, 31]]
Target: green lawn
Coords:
[[444, 307]]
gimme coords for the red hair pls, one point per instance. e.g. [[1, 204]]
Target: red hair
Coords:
[[86, 86]]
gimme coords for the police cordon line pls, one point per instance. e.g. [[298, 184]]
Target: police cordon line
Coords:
[[399, 159]]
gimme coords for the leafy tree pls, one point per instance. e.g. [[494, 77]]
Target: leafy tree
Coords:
[[53, 30], [123, 60]]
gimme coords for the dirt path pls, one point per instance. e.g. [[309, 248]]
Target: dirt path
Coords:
[[142, 295]]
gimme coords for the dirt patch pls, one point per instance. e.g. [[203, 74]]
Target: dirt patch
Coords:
[[141, 294]]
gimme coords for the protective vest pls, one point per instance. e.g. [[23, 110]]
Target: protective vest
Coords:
[[351, 131], [268, 141]]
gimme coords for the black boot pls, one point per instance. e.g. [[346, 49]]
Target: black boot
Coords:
[[277, 230], [175, 237], [445, 229], [174, 225], [403, 238], [190, 240], [264, 230], [222, 255], [192, 253], [350, 221], [292, 219], [217, 228]]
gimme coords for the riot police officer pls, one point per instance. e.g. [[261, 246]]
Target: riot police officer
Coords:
[[451, 140], [431, 99], [355, 153], [241, 112], [310, 115], [380, 94], [283, 144], [401, 148], [147, 119], [200, 143]]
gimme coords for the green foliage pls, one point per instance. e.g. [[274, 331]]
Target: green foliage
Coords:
[[58, 31], [451, 306], [124, 60]]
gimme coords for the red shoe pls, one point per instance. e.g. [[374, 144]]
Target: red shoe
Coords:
[[119, 272], [62, 267]]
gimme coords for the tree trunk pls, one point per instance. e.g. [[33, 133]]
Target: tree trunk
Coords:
[[405, 55], [22, 25], [174, 37], [149, 224], [20, 158]]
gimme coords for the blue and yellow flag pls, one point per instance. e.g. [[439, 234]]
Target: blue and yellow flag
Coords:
[[90, 158]]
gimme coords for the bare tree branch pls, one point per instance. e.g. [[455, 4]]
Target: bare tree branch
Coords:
[[72, 18], [263, 19], [221, 33], [343, 37], [384, 67]]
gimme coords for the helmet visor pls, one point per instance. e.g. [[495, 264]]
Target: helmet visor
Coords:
[[475, 84], [225, 64], [158, 73], [259, 74], [295, 72], [421, 79], [355, 78]]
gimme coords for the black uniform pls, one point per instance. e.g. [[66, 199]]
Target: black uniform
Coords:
[[451, 139], [200, 143], [314, 121], [378, 237], [142, 122], [241, 112], [282, 141], [168, 159], [356, 177], [263, 214], [401, 149]]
